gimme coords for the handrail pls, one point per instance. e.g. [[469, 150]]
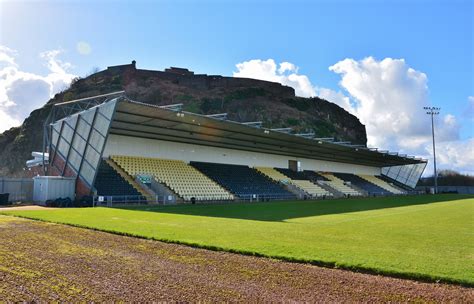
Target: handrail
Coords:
[[86, 98]]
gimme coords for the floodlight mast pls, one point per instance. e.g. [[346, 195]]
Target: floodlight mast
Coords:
[[433, 111]]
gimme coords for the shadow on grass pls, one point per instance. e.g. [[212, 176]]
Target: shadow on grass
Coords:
[[280, 211]]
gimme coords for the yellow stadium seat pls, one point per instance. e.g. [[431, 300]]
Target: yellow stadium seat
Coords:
[[183, 179], [381, 183], [304, 185], [339, 185]]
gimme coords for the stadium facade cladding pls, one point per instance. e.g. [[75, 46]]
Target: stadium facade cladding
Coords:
[[111, 124]]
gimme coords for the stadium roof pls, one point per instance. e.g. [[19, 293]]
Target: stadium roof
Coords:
[[171, 124]]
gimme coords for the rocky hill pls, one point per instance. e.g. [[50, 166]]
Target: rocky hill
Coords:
[[243, 99]]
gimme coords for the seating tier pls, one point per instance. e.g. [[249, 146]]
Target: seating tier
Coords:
[[273, 174], [243, 181], [313, 176], [364, 184], [183, 179], [339, 185], [394, 183], [301, 180], [109, 183], [311, 188], [381, 183]]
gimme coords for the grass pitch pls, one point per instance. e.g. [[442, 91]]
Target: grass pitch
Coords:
[[421, 237]]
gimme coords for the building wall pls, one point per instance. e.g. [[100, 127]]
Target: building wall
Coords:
[[77, 142], [53, 187], [188, 79], [19, 189], [82, 188], [132, 146]]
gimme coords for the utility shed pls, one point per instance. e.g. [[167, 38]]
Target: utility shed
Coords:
[[53, 187]]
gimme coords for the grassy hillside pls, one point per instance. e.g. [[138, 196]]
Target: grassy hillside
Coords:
[[423, 237], [243, 99]]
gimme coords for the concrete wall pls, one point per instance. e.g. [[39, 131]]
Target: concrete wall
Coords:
[[131, 146], [20, 189]]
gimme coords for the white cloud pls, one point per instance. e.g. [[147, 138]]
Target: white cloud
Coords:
[[21, 92], [387, 96], [456, 155], [83, 48], [336, 97], [287, 66], [7, 56], [285, 73]]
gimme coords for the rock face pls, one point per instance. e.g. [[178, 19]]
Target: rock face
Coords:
[[242, 98]]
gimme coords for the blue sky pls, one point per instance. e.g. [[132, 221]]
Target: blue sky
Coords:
[[434, 38]]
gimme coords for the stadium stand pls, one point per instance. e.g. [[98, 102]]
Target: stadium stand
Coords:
[[128, 178], [398, 185], [338, 185], [381, 183], [310, 188], [313, 176], [243, 181], [302, 175], [273, 174], [183, 179], [301, 179], [292, 174], [147, 132], [372, 189], [110, 183]]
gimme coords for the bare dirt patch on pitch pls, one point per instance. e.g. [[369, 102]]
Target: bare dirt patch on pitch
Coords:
[[24, 208], [43, 262]]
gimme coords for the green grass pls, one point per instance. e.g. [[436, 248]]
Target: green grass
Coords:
[[421, 237]]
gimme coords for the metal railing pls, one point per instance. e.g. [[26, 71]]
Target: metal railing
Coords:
[[264, 197], [111, 200], [117, 200], [123, 200], [447, 189]]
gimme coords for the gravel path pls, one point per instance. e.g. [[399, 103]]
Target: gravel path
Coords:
[[44, 262], [21, 208]]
